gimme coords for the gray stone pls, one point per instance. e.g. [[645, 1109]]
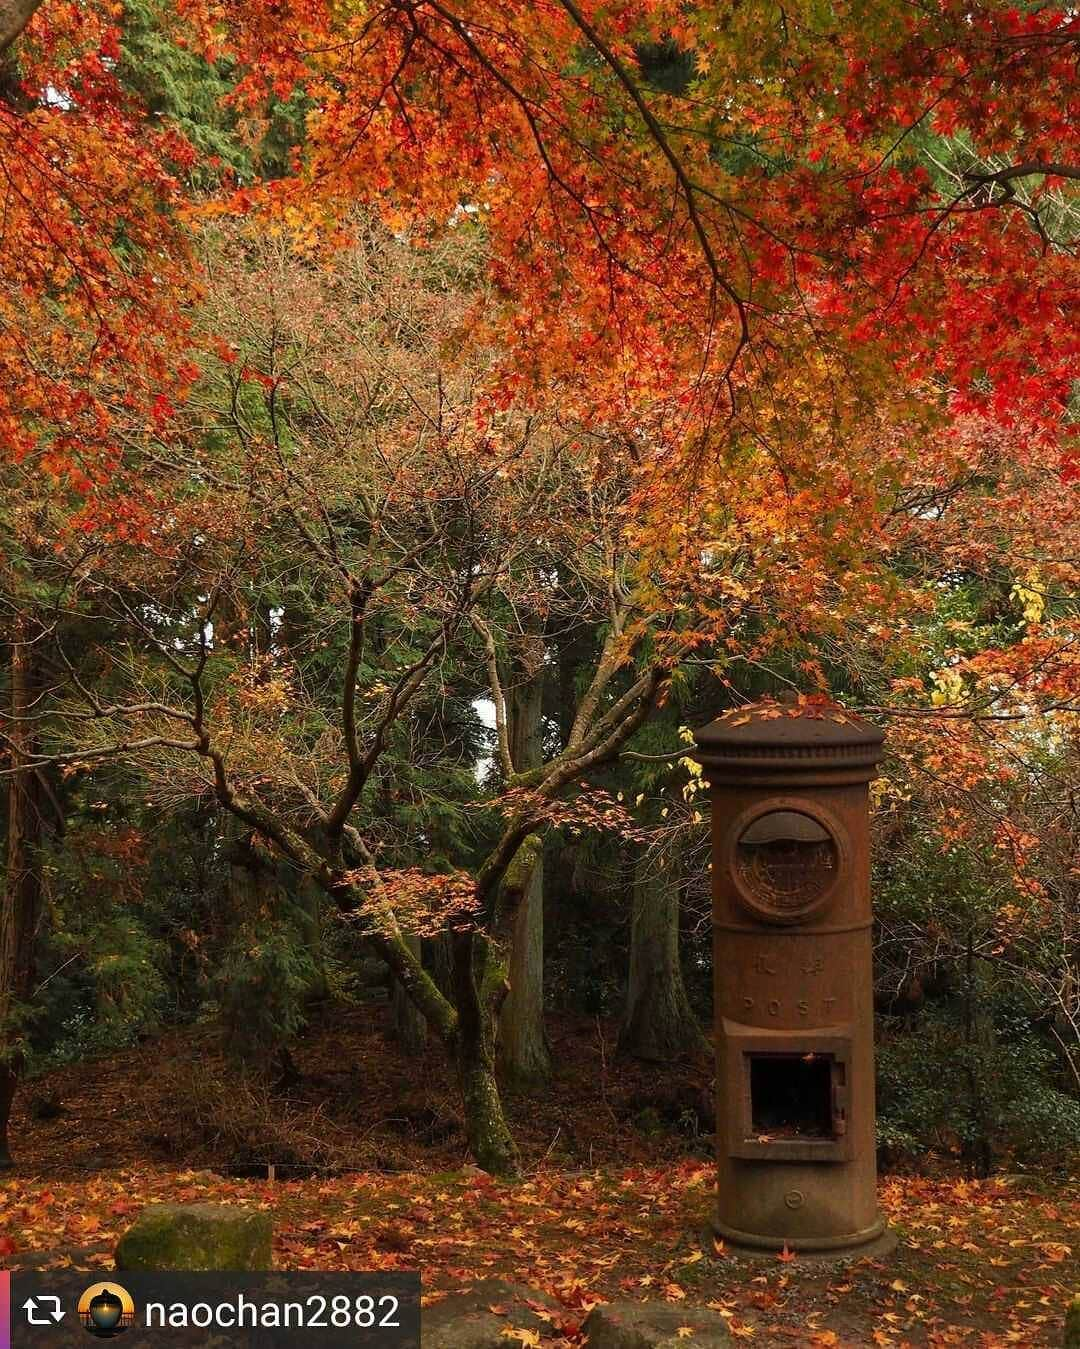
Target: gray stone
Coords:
[[654, 1325], [477, 1317], [196, 1237]]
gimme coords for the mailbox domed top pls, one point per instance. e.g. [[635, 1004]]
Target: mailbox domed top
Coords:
[[776, 723], [789, 737]]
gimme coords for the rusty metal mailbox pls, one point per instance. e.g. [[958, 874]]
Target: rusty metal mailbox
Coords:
[[793, 984]]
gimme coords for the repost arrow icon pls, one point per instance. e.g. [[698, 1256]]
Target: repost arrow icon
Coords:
[[49, 1303]]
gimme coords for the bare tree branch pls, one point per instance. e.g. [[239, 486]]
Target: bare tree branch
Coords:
[[498, 697], [1024, 170]]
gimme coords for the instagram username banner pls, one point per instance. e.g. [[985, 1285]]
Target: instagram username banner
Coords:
[[322, 1311]]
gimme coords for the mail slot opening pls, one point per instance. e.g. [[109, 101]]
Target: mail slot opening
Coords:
[[793, 1096]]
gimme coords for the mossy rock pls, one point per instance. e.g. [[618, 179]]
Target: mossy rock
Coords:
[[654, 1325], [484, 1315], [1072, 1324], [196, 1237]]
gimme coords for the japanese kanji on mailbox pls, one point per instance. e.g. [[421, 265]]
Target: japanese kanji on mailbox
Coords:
[[793, 981]]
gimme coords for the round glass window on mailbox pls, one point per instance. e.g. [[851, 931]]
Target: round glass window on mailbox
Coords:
[[786, 864]]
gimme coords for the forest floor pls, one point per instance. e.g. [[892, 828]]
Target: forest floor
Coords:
[[614, 1202]]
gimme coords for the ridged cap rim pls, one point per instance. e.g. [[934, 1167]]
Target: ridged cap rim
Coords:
[[777, 726]]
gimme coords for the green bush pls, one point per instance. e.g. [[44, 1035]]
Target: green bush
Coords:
[[989, 1099]]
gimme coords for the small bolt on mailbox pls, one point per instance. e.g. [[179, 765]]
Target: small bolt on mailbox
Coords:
[[793, 980]]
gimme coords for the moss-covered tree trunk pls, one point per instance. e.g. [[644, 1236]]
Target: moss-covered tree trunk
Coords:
[[658, 1023], [20, 914], [407, 1024], [479, 974], [523, 1049], [523, 1054]]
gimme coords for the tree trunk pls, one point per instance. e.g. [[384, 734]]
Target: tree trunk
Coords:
[[14, 16], [408, 1026], [658, 1023], [477, 975], [310, 902], [977, 1148], [465, 1025], [20, 915], [522, 1046], [442, 964]]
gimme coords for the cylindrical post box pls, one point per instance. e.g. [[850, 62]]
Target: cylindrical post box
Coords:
[[792, 974]]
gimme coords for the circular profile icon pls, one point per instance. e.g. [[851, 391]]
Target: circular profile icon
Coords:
[[106, 1309]]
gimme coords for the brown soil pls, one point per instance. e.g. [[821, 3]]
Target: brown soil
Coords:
[[357, 1103]]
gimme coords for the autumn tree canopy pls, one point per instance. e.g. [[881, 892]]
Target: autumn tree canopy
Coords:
[[729, 215], [788, 251]]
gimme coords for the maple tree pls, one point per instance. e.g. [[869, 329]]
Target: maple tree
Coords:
[[884, 209], [299, 418], [753, 274], [697, 238], [96, 271], [824, 255], [94, 280], [359, 492]]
